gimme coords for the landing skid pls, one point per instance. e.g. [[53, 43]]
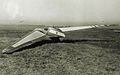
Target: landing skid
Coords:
[[56, 39]]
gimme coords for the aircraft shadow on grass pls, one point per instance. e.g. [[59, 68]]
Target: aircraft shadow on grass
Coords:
[[40, 43]]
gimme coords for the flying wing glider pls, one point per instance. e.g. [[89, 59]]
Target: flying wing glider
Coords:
[[41, 33]]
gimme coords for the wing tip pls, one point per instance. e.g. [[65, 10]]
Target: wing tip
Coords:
[[7, 50]]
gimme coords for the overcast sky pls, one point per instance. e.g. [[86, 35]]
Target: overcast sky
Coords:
[[59, 11]]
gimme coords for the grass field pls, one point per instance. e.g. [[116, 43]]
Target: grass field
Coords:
[[83, 52]]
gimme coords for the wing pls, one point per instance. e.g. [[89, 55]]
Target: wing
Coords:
[[79, 28], [31, 37]]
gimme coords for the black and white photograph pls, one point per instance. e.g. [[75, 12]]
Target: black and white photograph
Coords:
[[59, 37]]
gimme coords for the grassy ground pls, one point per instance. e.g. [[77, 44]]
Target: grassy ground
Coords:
[[84, 52]]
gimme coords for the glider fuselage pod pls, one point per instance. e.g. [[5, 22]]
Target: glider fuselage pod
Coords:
[[52, 32]]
